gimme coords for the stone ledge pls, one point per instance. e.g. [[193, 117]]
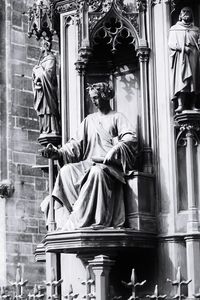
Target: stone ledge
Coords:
[[101, 240]]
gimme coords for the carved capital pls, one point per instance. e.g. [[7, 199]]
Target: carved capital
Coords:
[[143, 54], [188, 125], [154, 2], [6, 188], [141, 5], [84, 55]]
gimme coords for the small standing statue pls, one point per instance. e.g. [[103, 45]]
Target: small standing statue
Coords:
[[185, 60], [90, 183], [45, 92]]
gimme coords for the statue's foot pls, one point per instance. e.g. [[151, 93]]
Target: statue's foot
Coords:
[[96, 226], [195, 108], [179, 109]]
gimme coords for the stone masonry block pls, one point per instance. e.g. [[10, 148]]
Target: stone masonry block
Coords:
[[17, 19], [32, 113], [26, 98], [27, 84], [18, 52], [33, 52], [18, 5], [29, 171], [40, 184], [25, 158], [33, 136], [24, 146], [18, 37], [27, 123], [20, 111], [20, 237]]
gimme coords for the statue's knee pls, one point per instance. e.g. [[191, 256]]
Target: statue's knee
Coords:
[[96, 171], [65, 169]]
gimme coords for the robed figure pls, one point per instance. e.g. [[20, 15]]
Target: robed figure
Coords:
[[95, 163], [45, 92], [185, 59]]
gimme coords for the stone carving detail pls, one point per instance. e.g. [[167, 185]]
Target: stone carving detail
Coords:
[[98, 9], [41, 20], [61, 8], [84, 55], [45, 92], [143, 54], [184, 41], [188, 124], [6, 188], [141, 5], [113, 32], [94, 166]]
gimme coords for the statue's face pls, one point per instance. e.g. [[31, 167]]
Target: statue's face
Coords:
[[96, 99], [186, 15]]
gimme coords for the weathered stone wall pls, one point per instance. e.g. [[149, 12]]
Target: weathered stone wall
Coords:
[[25, 226]]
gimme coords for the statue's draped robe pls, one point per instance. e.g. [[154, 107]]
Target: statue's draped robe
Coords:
[[92, 192], [185, 67], [45, 99]]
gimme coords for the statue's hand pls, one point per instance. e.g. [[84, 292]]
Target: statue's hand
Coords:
[[187, 49], [110, 157], [178, 49], [50, 151]]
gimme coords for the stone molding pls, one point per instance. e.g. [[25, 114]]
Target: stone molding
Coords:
[[103, 240]]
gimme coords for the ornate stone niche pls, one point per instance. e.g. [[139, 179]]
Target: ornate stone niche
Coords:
[[106, 41]]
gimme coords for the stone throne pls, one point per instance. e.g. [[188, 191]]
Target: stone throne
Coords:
[[104, 41]]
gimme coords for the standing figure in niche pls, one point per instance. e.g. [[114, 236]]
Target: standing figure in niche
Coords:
[[185, 59], [45, 92], [90, 183]]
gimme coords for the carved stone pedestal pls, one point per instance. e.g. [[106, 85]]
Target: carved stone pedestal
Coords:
[[189, 126], [88, 259], [54, 139], [189, 136]]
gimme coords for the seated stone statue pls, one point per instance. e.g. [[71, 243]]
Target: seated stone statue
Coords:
[[90, 183]]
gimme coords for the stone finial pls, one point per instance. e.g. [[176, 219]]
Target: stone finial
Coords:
[[6, 188]]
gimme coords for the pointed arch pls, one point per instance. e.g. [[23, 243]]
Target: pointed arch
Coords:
[[113, 29]]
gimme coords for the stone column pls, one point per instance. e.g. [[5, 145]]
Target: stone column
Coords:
[[189, 122], [143, 54], [6, 191], [193, 263], [101, 265]]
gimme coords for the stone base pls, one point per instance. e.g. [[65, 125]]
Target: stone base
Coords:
[[45, 139], [104, 241], [188, 116]]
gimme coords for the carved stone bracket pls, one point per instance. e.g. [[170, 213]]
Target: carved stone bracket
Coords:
[[188, 124], [84, 55], [141, 5], [143, 54], [6, 188]]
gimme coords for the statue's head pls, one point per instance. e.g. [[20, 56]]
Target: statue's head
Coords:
[[102, 90], [46, 45], [186, 15]]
